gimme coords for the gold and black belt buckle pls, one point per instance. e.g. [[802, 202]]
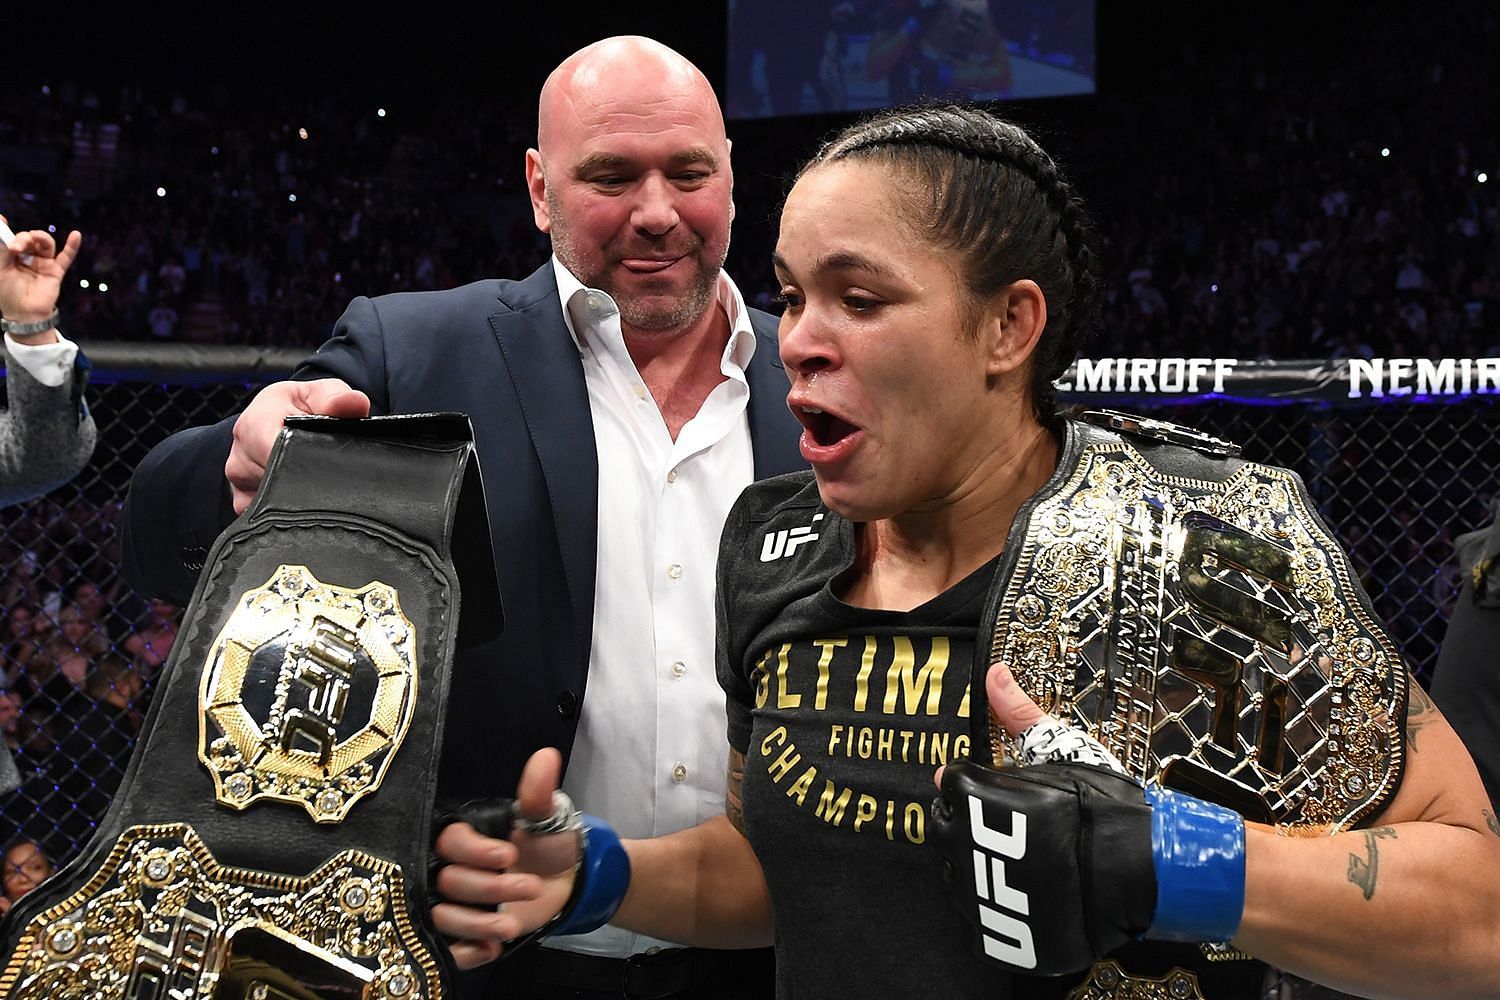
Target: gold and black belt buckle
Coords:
[[269, 839]]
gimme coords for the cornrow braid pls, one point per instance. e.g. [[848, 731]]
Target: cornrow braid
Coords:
[[998, 201]]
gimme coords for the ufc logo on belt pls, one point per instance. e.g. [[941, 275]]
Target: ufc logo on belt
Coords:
[[1007, 937]]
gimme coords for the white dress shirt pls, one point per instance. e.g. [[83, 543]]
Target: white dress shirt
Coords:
[[651, 748]]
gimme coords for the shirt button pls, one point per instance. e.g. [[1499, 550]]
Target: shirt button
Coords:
[[672, 476], [567, 704], [679, 773], [640, 392], [593, 302], [675, 571], [679, 668]]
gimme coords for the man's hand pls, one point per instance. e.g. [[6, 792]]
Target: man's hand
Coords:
[[497, 890], [31, 273], [256, 429]]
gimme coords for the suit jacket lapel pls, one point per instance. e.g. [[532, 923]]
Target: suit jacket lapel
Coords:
[[774, 432], [545, 371]]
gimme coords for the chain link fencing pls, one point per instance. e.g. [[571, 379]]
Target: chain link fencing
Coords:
[[1396, 478], [80, 648]]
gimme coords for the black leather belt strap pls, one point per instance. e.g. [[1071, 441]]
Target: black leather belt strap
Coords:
[[272, 829]]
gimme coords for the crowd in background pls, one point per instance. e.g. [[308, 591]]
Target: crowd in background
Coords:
[[1291, 210], [1288, 210], [78, 652]]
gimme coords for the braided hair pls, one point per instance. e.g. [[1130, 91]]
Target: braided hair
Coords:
[[998, 201]]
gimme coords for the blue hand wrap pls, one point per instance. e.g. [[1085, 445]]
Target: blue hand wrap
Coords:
[[1198, 851], [605, 871]]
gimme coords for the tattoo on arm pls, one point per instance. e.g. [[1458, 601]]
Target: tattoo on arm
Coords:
[[1363, 870], [734, 790], [1491, 822], [1420, 710]]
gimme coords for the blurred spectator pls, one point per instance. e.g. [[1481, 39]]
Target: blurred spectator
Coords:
[[151, 645], [63, 662], [40, 807], [97, 727], [1467, 682], [25, 868], [10, 719], [163, 320], [20, 644]]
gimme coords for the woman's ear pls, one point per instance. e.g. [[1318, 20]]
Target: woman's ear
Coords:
[[1012, 325]]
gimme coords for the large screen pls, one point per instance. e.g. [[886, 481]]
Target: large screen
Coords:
[[791, 57]]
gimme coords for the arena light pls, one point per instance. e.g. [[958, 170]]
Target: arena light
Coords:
[[302, 133], [291, 197], [103, 286], [1481, 177], [1385, 151], [46, 90], [213, 150], [51, 228], [1214, 288], [83, 282], [380, 112], [161, 192]]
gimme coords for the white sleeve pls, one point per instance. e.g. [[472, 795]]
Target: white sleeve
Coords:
[[49, 364]]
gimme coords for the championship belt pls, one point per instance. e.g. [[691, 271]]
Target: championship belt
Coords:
[[1191, 612], [270, 837]]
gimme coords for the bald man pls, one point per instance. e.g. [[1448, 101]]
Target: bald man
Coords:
[[621, 396]]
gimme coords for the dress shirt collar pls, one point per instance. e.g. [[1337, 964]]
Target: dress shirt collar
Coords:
[[592, 317]]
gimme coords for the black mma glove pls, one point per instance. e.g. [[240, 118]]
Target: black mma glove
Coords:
[[1058, 864]]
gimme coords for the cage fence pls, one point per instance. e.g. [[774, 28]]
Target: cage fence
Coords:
[[1396, 475]]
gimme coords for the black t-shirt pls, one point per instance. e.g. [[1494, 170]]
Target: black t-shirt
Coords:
[[844, 714]]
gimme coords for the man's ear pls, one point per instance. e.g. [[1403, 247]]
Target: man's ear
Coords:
[[729, 145], [1012, 325], [536, 187]]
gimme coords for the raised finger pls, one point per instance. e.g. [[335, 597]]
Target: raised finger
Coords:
[[1013, 707], [539, 779], [70, 249]]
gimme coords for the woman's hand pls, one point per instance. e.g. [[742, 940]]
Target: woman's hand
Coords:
[[495, 890]]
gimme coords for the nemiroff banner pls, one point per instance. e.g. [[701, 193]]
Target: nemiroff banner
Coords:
[[1343, 380]]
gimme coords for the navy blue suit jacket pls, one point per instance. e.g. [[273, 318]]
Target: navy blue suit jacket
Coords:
[[499, 351]]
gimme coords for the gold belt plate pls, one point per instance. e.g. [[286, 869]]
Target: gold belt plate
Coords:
[[1108, 981], [162, 918], [307, 694], [1209, 634]]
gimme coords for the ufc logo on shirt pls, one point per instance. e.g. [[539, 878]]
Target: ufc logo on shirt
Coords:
[[780, 544], [1007, 937]]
